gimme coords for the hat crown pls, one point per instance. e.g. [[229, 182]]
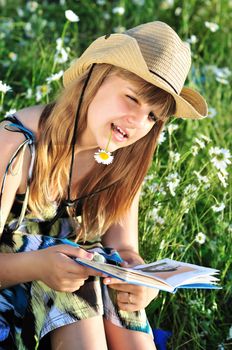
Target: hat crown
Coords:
[[165, 54]]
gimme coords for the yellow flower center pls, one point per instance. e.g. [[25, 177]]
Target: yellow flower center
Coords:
[[103, 155]]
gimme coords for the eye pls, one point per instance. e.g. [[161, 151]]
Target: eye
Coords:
[[132, 98], [152, 117]]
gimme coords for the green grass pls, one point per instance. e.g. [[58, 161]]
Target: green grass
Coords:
[[198, 319]]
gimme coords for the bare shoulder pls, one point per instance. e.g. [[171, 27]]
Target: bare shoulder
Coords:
[[30, 116]]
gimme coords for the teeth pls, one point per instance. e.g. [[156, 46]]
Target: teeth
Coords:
[[115, 127]]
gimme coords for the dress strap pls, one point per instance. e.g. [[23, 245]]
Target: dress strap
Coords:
[[16, 126]]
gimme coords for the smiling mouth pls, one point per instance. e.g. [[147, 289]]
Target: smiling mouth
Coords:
[[117, 129]]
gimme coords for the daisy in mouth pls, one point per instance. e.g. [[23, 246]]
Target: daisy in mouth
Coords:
[[103, 156]]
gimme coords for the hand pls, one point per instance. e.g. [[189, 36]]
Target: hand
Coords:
[[58, 271], [131, 297]]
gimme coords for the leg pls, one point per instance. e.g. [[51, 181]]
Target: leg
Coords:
[[131, 340], [81, 335]]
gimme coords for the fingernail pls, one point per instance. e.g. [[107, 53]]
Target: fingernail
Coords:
[[89, 256]]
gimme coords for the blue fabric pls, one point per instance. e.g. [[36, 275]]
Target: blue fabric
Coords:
[[161, 338]]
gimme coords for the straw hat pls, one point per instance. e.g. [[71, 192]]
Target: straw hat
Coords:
[[154, 52]]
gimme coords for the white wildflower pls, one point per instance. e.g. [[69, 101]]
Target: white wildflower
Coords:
[[162, 244], [171, 128], [178, 11], [153, 187], [13, 56], [223, 178], [41, 91], [194, 150], [220, 158], [218, 208], [28, 27], [20, 12], [55, 76], [175, 156], [32, 6], [213, 27], [29, 93], [200, 178], [166, 4], [230, 334], [71, 16], [200, 238], [4, 87], [173, 181], [118, 10], [119, 29], [157, 219], [200, 143], [192, 40], [220, 73], [205, 138], [61, 56], [104, 157], [10, 112], [191, 191], [106, 16], [162, 137], [59, 44], [222, 81], [212, 112], [148, 177]]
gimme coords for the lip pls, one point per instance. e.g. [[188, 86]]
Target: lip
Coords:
[[117, 134]]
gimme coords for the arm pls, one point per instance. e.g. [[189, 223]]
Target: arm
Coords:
[[52, 265], [124, 235], [124, 238]]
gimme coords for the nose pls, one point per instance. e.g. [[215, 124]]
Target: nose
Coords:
[[137, 119]]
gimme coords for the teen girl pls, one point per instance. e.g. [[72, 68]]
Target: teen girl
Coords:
[[71, 173]]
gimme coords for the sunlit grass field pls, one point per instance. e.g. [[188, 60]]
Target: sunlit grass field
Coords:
[[185, 208]]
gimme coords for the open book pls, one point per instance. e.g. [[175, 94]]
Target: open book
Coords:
[[167, 275]]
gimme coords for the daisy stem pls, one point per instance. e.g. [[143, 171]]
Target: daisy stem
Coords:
[[109, 141]]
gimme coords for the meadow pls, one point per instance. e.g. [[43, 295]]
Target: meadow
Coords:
[[185, 207]]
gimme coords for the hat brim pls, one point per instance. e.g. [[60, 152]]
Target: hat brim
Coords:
[[123, 51]]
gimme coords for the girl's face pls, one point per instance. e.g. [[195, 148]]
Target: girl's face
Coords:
[[117, 111]]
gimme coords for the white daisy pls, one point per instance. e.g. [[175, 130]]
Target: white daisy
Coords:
[[174, 156], [212, 112], [4, 87], [173, 181], [178, 11], [192, 40], [71, 16], [32, 6], [118, 10], [218, 208], [200, 238], [103, 157], [220, 158], [162, 137], [55, 76], [13, 56], [171, 128], [213, 27]]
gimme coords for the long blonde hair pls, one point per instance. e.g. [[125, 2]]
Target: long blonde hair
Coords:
[[125, 174]]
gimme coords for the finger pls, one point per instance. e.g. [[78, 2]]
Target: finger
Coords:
[[111, 280], [125, 297], [128, 307], [74, 251]]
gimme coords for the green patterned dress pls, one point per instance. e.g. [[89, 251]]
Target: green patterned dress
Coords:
[[29, 311]]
